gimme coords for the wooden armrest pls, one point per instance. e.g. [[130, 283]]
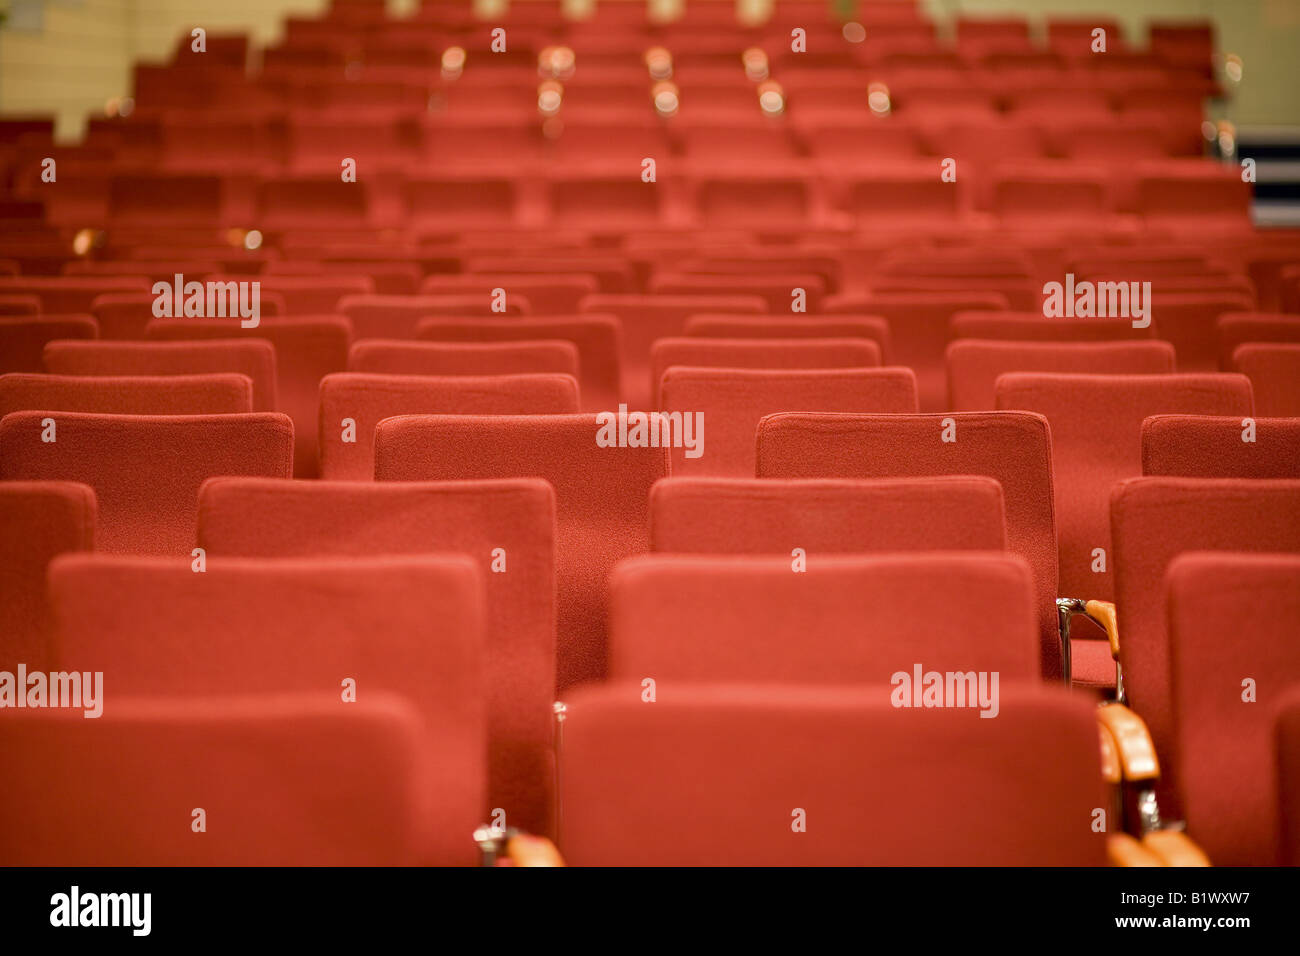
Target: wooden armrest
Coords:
[[1124, 850], [1137, 751], [1111, 771], [1175, 848], [523, 850], [1103, 612]]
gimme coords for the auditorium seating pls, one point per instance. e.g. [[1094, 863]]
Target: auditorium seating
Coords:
[[643, 786], [273, 772], [1232, 655], [254, 360], [38, 520], [1206, 446], [690, 618], [219, 394], [1156, 519], [412, 625], [353, 403], [625, 410], [145, 469], [732, 401], [601, 497], [1012, 448], [508, 526]]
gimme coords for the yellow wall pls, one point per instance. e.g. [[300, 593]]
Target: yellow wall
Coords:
[[83, 55]]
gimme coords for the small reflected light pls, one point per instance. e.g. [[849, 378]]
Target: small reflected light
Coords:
[[83, 241], [113, 106], [1232, 67], [1227, 139], [453, 62], [878, 99], [549, 97], [755, 61], [1209, 131], [666, 98], [659, 62], [126, 107], [771, 98], [253, 239], [556, 62], [854, 32]]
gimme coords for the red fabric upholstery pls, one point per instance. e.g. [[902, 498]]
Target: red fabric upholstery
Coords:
[[600, 499], [1155, 520], [1287, 744], [364, 399], [409, 625], [271, 773], [464, 358], [642, 785], [70, 294], [595, 336], [1035, 327], [307, 348], [759, 354], [146, 470], [918, 323], [1096, 426], [260, 517], [733, 401], [844, 620], [216, 394], [1238, 328], [253, 359], [1013, 448], [644, 319], [23, 338], [1205, 446], [38, 520], [1274, 373], [792, 327], [974, 365], [395, 316], [764, 516], [555, 294], [1232, 618]]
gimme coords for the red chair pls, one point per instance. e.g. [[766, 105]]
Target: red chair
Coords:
[[145, 469], [1096, 425], [1274, 373], [507, 526], [601, 501], [252, 359], [800, 353], [390, 357], [395, 317], [1012, 448], [1154, 521], [1238, 328], [38, 520], [644, 319], [352, 404], [218, 394], [918, 324], [1204, 446], [731, 402], [23, 338], [1232, 619], [974, 365], [65, 295], [1035, 327], [273, 774], [641, 785], [596, 337], [688, 618]]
